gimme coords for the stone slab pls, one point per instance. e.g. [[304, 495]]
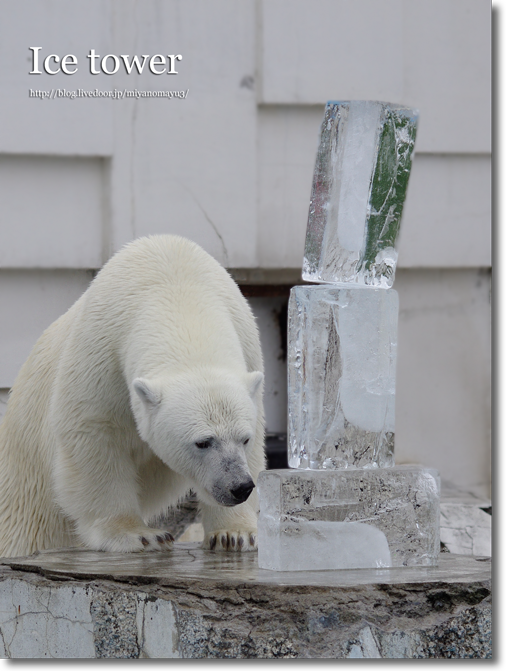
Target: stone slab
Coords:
[[191, 603], [465, 522], [188, 561]]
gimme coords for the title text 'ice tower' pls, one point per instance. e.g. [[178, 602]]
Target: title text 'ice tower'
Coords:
[[343, 503]]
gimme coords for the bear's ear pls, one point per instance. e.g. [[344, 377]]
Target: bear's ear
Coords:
[[254, 380], [147, 391]]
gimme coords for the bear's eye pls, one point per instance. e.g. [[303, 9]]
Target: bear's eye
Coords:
[[204, 444], [246, 441]]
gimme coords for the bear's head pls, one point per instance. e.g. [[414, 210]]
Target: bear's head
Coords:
[[201, 423]]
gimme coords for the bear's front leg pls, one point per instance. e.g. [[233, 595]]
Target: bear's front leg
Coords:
[[230, 529], [123, 533], [96, 484]]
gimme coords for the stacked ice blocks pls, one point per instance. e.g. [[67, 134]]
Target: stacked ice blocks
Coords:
[[343, 504]]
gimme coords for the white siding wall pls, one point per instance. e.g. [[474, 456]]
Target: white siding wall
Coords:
[[231, 165]]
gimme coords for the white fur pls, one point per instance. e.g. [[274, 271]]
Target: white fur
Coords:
[[160, 353]]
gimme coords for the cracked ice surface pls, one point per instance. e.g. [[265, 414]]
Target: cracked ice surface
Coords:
[[341, 376], [402, 503], [359, 186]]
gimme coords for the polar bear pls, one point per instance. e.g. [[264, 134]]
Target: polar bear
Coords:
[[149, 386]]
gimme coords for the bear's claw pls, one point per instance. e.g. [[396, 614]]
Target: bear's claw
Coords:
[[156, 541], [231, 541], [124, 534], [150, 540]]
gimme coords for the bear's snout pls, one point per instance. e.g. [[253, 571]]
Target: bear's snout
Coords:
[[241, 493]]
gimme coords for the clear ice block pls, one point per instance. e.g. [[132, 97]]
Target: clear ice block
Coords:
[[359, 186], [297, 507], [342, 343]]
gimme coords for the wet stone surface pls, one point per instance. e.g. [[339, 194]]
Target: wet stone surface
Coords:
[[191, 603]]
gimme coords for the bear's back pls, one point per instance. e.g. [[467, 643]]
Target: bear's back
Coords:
[[157, 256], [159, 299]]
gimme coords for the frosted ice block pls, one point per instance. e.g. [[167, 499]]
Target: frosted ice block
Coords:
[[323, 545], [342, 343], [359, 186], [297, 507]]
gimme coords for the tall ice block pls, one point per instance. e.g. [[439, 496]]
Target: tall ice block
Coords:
[[358, 192], [318, 520], [342, 344]]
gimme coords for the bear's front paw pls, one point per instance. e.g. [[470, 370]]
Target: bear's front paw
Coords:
[[117, 535], [229, 540], [147, 540], [144, 540]]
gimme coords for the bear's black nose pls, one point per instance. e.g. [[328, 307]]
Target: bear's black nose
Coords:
[[242, 492]]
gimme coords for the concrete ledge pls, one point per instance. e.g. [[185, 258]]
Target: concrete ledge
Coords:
[[191, 603]]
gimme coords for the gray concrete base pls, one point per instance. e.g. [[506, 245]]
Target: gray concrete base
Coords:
[[191, 603]]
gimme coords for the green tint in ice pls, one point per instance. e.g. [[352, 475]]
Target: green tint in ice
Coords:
[[358, 192]]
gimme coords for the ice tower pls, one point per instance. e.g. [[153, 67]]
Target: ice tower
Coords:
[[343, 503]]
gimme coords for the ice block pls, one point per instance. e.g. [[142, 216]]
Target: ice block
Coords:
[[342, 343], [297, 507], [359, 186]]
